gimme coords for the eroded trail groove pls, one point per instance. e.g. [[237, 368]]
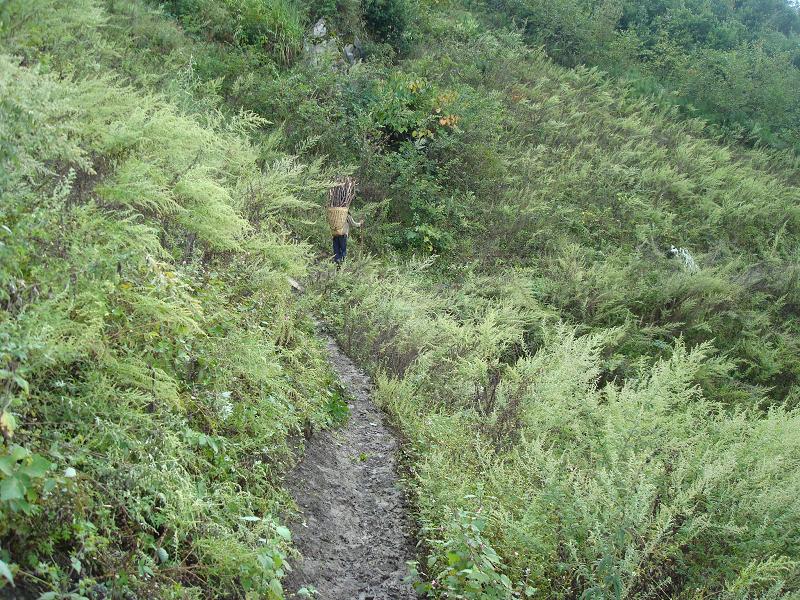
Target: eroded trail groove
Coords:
[[354, 528]]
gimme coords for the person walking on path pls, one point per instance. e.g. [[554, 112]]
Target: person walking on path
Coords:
[[340, 241], [339, 217]]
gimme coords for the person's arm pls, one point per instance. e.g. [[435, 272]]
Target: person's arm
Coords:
[[354, 223]]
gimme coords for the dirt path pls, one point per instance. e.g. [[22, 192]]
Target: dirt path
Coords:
[[354, 531]]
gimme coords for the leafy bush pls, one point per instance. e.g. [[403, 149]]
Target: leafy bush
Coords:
[[390, 22], [472, 565]]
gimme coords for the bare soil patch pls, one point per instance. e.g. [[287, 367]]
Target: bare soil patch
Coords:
[[354, 531]]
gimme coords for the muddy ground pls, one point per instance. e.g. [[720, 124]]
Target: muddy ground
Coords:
[[354, 530]]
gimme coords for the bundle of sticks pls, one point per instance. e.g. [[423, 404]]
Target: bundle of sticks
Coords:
[[342, 194]]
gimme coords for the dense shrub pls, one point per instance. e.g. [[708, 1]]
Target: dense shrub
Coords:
[[615, 457], [153, 360], [588, 487], [585, 416], [390, 22], [735, 63]]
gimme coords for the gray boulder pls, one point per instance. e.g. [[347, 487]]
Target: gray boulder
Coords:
[[350, 54], [319, 30]]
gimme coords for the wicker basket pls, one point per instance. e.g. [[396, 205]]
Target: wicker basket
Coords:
[[337, 217]]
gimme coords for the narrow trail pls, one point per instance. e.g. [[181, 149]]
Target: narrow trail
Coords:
[[354, 528]]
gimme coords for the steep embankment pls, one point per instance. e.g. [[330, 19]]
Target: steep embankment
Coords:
[[153, 361], [537, 475]]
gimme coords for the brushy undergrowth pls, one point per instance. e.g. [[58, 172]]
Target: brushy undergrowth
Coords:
[[535, 476], [587, 416], [562, 175], [153, 360]]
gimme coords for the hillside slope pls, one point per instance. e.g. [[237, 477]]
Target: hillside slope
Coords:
[[154, 360], [585, 416]]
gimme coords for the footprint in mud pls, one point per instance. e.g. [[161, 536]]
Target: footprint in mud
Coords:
[[354, 531]]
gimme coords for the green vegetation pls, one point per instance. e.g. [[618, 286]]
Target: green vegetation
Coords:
[[621, 488], [734, 63], [620, 425], [586, 416], [154, 361]]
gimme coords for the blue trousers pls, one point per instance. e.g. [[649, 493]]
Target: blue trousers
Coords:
[[339, 248]]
